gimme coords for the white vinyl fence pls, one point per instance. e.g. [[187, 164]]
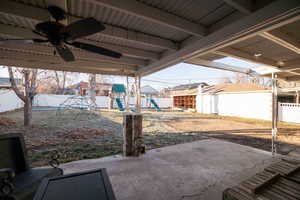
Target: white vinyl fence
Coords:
[[9, 101], [51, 100], [255, 105], [289, 112], [249, 105]]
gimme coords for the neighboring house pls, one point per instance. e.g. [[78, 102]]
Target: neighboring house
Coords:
[[5, 83], [185, 89], [207, 98], [148, 91], [229, 87], [82, 88], [184, 96]]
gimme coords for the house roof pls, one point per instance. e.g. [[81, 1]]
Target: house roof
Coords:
[[147, 89], [188, 86], [86, 84], [238, 87]]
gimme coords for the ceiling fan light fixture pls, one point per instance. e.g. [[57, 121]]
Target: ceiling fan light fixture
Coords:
[[256, 55], [280, 63]]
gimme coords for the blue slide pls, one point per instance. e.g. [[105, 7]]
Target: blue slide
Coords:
[[155, 105], [120, 105]]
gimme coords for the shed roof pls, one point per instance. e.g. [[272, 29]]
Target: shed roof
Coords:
[[188, 86], [238, 87]]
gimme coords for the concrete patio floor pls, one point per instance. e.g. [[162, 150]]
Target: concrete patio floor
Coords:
[[197, 170]]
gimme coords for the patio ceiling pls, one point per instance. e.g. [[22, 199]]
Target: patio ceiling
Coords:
[[155, 34]]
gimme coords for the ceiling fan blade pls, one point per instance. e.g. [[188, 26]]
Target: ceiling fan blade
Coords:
[[82, 28], [38, 33], [39, 41], [96, 49], [65, 53]]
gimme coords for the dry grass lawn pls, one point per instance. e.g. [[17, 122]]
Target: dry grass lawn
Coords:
[[82, 135]]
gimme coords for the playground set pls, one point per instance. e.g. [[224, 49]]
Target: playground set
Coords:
[[118, 99], [83, 104], [118, 96]]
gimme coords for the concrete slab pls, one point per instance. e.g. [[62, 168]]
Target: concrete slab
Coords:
[[197, 170]]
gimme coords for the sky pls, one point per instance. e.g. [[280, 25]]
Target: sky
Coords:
[[178, 74]]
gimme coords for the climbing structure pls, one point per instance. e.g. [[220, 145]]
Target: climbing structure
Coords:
[[118, 96], [81, 104]]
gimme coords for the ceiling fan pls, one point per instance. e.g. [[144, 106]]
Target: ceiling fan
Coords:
[[61, 36]]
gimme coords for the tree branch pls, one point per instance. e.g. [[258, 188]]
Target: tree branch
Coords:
[[33, 86], [14, 85]]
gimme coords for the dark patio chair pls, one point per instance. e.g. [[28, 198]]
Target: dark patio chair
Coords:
[[17, 179]]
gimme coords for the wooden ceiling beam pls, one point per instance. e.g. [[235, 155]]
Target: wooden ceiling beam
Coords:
[[218, 65], [293, 78], [239, 54], [61, 67], [290, 65], [283, 40], [36, 59]]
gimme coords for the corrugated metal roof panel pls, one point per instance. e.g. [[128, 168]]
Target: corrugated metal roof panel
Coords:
[[101, 38], [197, 11], [188, 9], [17, 21], [117, 18], [216, 15]]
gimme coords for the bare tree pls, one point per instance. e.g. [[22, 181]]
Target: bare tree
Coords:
[[241, 78], [225, 80], [27, 96], [60, 78]]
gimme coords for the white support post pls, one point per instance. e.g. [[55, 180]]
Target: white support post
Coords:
[[274, 114], [138, 94], [92, 92], [127, 93]]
